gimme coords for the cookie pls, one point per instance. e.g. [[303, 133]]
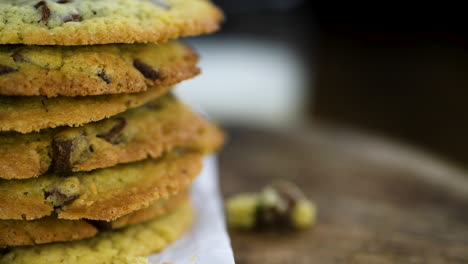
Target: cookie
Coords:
[[154, 210], [51, 229], [21, 114], [93, 70], [104, 194], [124, 246], [88, 22], [45, 230], [149, 130]]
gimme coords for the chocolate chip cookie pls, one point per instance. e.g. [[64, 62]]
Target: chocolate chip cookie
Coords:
[[104, 194], [87, 22], [147, 131], [127, 246], [51, 229], [21, 114], [93, 70]]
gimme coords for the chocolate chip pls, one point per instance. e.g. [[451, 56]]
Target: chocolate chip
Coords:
[[72, 18], [276, 205], [18, 57], [146, 70], [270, 216], [45, 11], [69, 147], [161, 3], [6, 69], [63, 192], [113, 136], [276, 214], [61, 155], [58, 198], [101, 225], [103, 75]]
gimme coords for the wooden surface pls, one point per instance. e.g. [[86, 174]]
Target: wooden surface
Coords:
[[378, 202]]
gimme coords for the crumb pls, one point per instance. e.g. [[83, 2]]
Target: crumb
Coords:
[[280, 205]]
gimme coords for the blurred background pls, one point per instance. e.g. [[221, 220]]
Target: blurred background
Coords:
[[393, 70]]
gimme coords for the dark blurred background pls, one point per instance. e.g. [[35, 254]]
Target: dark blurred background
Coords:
[[396, 70]]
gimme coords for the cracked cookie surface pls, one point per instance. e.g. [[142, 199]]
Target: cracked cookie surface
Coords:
[[104, 194], [51, 229], [147, 131], [93, 70], [87, 22], [128, 245]]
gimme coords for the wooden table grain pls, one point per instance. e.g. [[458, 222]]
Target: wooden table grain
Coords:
[[379, 202]]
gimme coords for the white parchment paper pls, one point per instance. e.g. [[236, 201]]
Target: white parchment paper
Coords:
[[207, 242]]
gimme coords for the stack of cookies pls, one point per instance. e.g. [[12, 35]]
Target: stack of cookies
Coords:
[[96, 155]]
